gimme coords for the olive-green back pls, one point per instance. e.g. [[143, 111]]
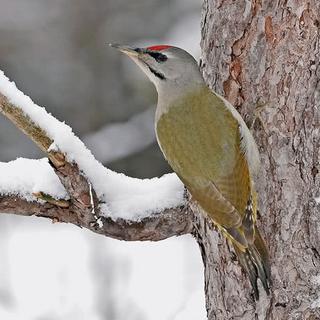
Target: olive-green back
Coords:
[[200, 139]]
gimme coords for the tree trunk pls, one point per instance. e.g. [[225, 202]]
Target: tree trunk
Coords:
[[263, 56]]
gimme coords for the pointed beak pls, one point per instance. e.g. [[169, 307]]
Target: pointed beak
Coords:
[[130, 51]]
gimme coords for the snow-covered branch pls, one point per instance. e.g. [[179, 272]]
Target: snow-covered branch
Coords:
[[170, 222], [72, 186]]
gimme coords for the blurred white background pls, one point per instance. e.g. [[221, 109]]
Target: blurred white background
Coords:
[[56, 51]]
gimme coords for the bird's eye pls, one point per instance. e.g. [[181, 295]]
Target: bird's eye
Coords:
[[139, 50], [159, 57]]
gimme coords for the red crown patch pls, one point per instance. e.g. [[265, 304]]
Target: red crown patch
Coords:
[[159, 47]]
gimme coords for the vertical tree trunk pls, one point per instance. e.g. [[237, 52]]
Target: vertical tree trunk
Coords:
[[267, 52]]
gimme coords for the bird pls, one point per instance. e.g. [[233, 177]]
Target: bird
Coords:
[[210, 148]]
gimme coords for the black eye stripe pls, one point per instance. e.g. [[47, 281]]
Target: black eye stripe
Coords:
[[157, 74], [159, 57]]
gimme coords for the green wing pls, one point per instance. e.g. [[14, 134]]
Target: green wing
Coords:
[[201, 140]]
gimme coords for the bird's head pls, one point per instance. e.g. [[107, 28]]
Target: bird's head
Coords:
[[164, 65]]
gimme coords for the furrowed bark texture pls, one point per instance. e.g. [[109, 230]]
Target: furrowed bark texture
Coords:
[[267, 53]]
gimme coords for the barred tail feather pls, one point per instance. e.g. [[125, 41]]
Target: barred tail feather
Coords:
[[255, 262]]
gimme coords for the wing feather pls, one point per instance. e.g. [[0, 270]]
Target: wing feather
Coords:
[[201, 140]]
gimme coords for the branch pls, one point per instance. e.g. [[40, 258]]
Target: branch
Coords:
[[28, 127], [75, 183], [96, 198], [170, 222]]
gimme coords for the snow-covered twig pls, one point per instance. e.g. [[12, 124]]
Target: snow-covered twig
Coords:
[[126, 208]]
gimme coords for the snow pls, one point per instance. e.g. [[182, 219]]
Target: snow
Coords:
[[145, 280], [193, 307], [174, 263], [24, 176], [53, 280], [122, 196]]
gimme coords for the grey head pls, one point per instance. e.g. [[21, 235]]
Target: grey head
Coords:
[[171, 69]]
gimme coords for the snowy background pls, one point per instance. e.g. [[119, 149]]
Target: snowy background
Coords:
[[56, 51]]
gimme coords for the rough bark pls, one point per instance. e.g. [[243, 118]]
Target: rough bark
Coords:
[[263, 56]]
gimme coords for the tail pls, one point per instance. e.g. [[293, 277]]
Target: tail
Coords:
[[255, 261]]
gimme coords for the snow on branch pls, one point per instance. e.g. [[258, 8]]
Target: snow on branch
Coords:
[[169, 223], [72, 186]]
